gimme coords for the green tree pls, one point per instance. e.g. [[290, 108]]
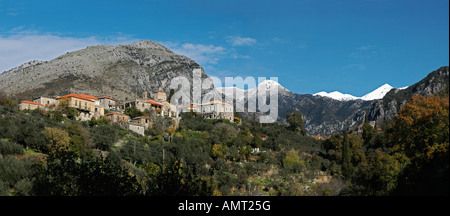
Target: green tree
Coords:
[[421, 132], [58, 140], [66, 175], [295, 121], [171, 93], [218, 150], [347, 168], [15, 175], [104, 136], [133, 112], [292, 161], [173, 182], [72, 112], [369, 132]]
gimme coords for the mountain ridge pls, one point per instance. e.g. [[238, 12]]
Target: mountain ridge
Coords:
[[376, 94], [325, 115]]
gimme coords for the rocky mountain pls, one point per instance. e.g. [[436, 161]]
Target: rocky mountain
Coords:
[[391, 103], [122, 72], [325, 115]]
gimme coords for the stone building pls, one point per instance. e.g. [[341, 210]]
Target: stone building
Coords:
[[23, 105], [143, 121], [49, 103], [187, 108], [88, 105], [159, 104], [117, 118], [107, 102], [169, 109], [137, 128], [160, 95], [217, 110]]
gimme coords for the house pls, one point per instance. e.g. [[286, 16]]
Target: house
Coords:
[[88, 105], [137, 128], [76, 101], [148, 103], [160, 95], [320, 137], [23, 105], [47, 102], [169, 109], [187, 108], [143, 121], [95, 99], [107, 102], [212, 110], [217, 110], [379, 129], [117, 118]]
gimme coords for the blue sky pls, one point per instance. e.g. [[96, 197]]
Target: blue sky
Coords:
[[310, 45]]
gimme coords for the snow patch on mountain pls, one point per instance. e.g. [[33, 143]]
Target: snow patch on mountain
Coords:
[[266, 84], [337, 96], [377, 94]]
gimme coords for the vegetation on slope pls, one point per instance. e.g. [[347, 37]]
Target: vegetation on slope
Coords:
[[46, 153]]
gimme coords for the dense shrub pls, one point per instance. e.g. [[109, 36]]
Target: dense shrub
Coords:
[[10, 148], [104, 136]]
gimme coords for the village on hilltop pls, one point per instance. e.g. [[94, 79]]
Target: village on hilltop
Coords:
[[96, 107]]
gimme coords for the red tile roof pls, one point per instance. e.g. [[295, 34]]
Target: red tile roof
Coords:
[[154, 102], [29, 102], [191, 106], [320, 137], [113, 113], [106, 98], [89, 96], [75, 96]]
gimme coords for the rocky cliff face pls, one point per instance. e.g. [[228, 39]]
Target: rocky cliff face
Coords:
[[122, 72], [392, 102], [325, 116]]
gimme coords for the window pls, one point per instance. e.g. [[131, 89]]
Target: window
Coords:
[[76, 103], [85, 105]]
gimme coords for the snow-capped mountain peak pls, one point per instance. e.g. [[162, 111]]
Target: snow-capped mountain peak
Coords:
[[270, 83], [378, 93], [337, 96]]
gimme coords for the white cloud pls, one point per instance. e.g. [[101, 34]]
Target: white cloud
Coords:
[[202, 54], [240, 41], [23, 46]]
